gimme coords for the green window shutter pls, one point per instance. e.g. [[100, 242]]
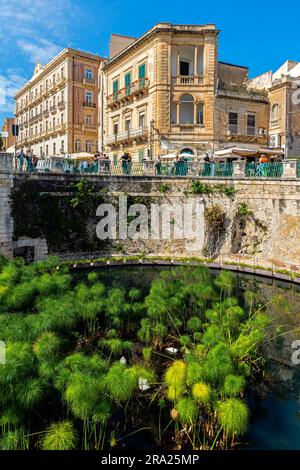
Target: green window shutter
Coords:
[[115, 88], [127, 79], [142, 71], [127, 83], [141, 155]]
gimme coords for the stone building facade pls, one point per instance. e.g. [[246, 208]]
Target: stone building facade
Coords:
[[283, 90], [57, 110], [166, 92], [7, 129]]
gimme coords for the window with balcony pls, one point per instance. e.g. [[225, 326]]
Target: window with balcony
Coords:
[[142, 120], [127, 125], [251, 124], [233, 123], [115, 88], [115, 128], [142, 74], [88, 97], [77, 146], [89, 74], [186, 111], [89, 120], [184, 68], [127, 79]]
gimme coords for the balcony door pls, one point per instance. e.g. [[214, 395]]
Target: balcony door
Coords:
[[184, 68]]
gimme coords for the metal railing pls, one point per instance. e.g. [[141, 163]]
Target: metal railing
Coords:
[[261, 170]]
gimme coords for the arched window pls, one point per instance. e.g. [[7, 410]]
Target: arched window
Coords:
[[186, 114], [275, 111]]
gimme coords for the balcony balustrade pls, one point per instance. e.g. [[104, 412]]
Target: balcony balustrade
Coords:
[[130, 134], [187, 80], [89, 104], [53, 109], [128, 92], [61, 104]]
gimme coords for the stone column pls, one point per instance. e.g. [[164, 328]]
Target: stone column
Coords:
[[196, 61], [195, 112], [289, 168], [239, 167], [178, 113], [6, 221], [178, 61]]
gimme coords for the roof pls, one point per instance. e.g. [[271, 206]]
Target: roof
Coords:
[[233, 65]]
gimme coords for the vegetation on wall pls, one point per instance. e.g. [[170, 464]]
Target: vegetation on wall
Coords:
[[204, 188], [88, 365], [62, 216]]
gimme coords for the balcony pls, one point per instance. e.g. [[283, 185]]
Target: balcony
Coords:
[[89, 129], [89, 104], [60, 127], [187, 80], [89, 81], [140, 133], [275, 123], [46, 113], [139, 87], [61, 104], [53, 109]]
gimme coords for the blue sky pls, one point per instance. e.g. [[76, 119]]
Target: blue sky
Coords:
[[259, 34]]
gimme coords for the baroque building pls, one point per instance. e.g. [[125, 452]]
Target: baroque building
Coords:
[[7, 131], [57, 110], [167, 92]]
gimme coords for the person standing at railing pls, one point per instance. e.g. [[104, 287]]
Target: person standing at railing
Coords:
[[21, 158], [28, 158], [96, 162], [262, 166], [158, 166], [34, 162], [125, 162]]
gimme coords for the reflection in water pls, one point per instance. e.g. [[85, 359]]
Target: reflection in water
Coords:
[[275, 406]]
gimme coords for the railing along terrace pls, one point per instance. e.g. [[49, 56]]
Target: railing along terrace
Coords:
[[181, 168]]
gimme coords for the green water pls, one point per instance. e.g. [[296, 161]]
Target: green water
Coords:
[[275, 405]]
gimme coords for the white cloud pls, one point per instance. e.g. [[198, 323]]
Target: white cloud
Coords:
[[42, 49]]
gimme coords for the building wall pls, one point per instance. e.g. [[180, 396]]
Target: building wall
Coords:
[[48, 105], [7, 127], [161, 100]]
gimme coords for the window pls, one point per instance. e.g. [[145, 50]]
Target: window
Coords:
[[36, 130], [275, 112], [88, 74], [46, 125], [186, 115], [142, 120], [47, 150], [127, 83], [142, 75], [77, 146], [89, 119], [233, 123], [77, 118], [62, 72], [53, 78], [41, 128], [184, 68], [62, 149], [63, 95], [141, 155], [62, 118], [89, 97], [54, 148], [127, 125], [88, 146], [77, 95], [173, 113], [115, 128], [200, 117], [41, 151], [251, 124], [115, 88]]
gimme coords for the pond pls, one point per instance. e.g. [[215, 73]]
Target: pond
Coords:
[[146, 357], [275, 410]]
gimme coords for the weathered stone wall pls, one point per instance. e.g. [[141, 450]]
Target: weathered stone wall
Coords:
[[261, 217]]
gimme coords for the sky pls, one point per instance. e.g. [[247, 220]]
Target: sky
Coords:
[[258, 34]]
